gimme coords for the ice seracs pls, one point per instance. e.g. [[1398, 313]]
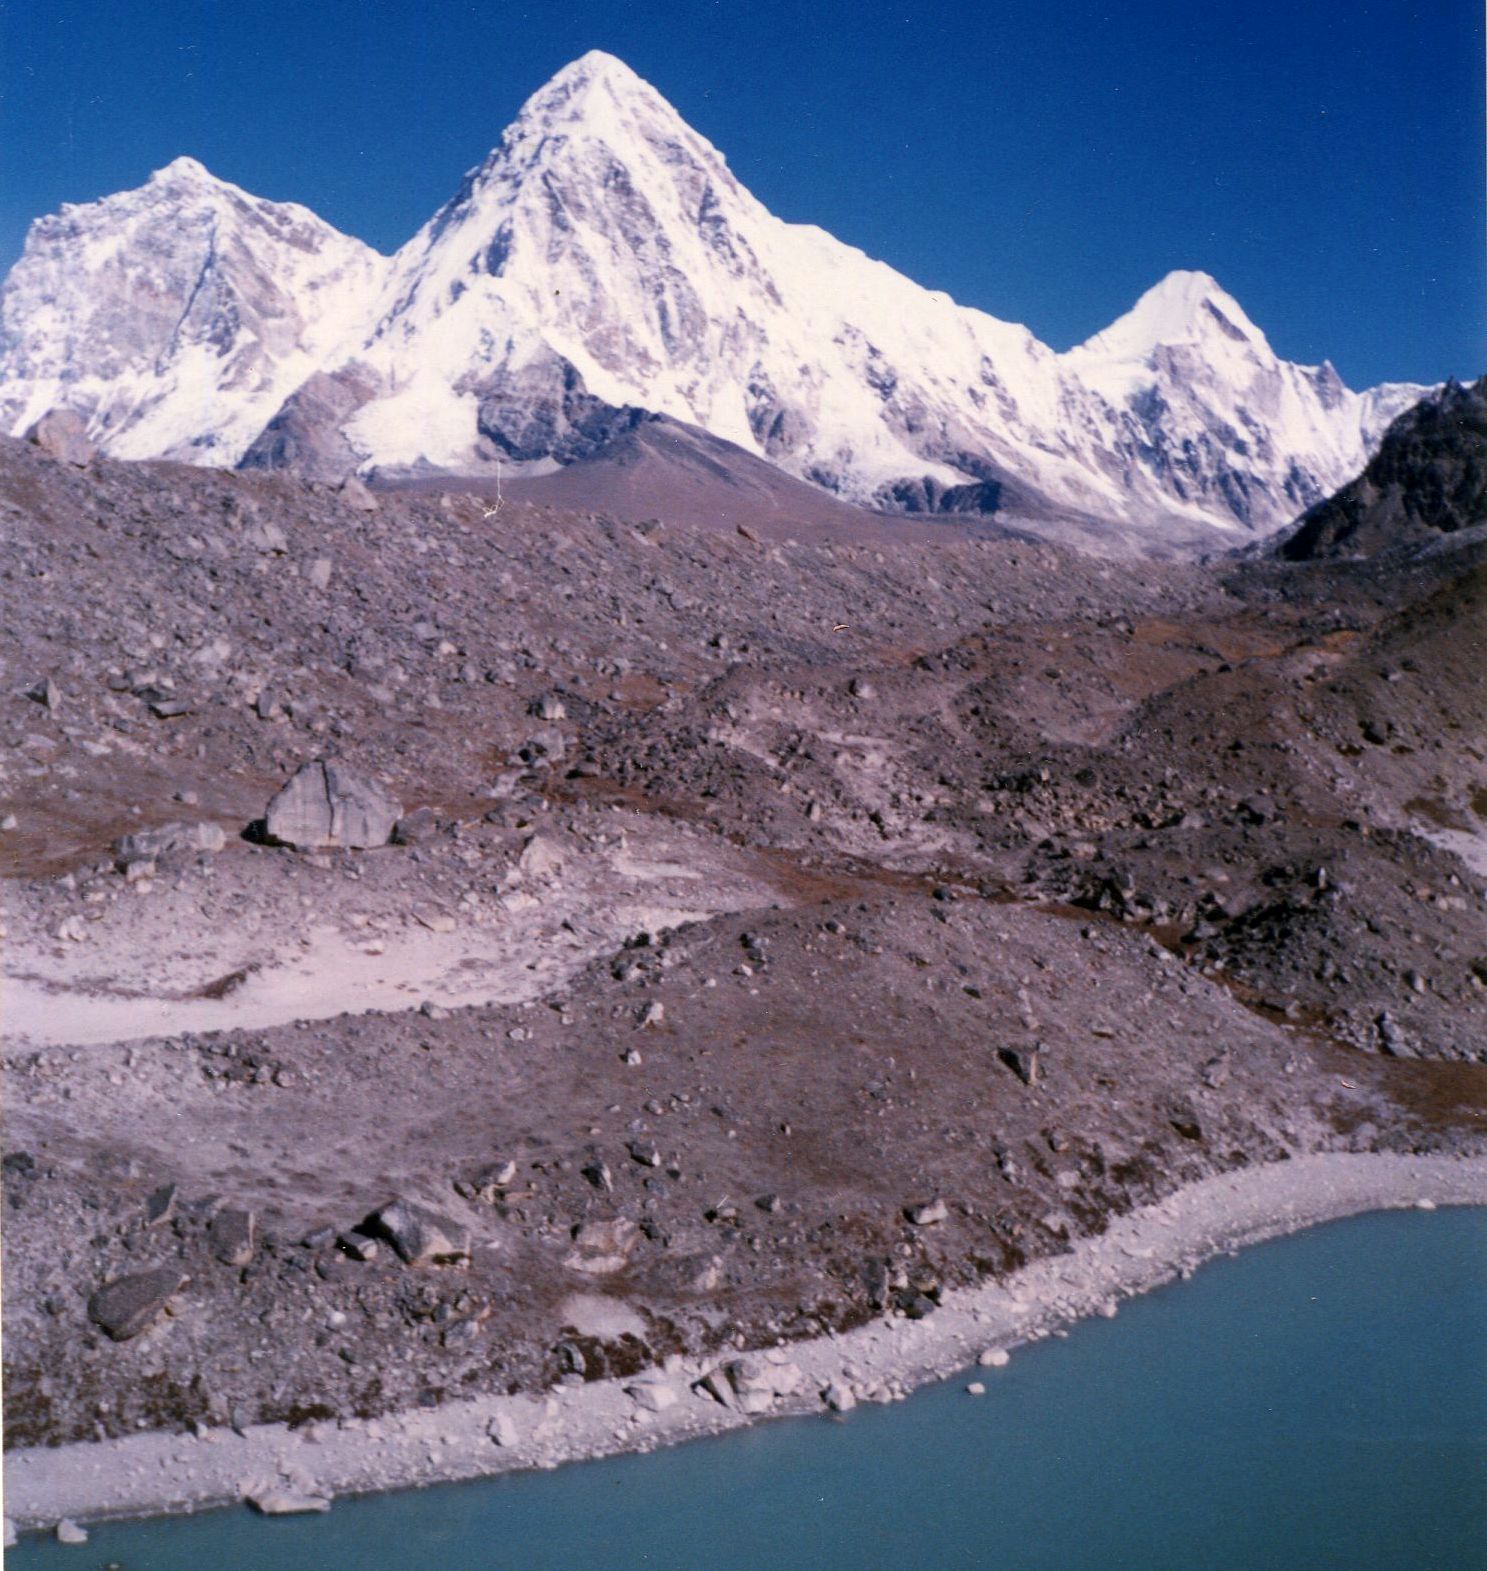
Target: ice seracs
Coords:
[[603, 261]]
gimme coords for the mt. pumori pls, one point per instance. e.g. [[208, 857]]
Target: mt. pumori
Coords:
[[603, 261]]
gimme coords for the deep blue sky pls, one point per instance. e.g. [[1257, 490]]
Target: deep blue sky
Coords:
[[1322, 158]]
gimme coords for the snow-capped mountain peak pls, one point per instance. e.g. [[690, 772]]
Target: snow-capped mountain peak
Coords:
[[1183, 308], [593, 119], [598, 99], [598, 94], [601, 261], [601, 257], [177, 316], [184, 171]]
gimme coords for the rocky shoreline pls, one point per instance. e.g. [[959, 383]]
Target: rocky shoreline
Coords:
[[282, 1469]]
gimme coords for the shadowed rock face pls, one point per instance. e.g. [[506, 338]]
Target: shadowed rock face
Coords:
[[305, 435], [1428, 479], [420, 1236], [544, 411]]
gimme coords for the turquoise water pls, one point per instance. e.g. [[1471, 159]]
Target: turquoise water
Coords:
[[1319, 1401]]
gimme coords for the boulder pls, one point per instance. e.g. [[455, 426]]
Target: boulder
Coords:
[[759, 1381], [327, 805], [63, 434], [132, 1304], [160, 1205], [1024, 1062], [541, 857], [928, 1214], [839, 1397], [145, 845], [489, 1183], [266, 537], [284, 1502], [420, 1236], [914, 1304], [715, 1386], [654, 1396], [602, 1247], [549, 744], [1392, 1040], [354, 492], [415, 828], [231, 1235]]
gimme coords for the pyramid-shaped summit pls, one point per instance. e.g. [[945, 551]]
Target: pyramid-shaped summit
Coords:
[[572, 90], [602, 259], [1184, 307]]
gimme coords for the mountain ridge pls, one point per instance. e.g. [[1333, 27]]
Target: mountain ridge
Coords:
[[1426, 482], [602, 258]]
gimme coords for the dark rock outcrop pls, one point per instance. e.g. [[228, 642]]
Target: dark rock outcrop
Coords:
[[420, 1236], [544, 410], [305, 435], [233, 1236], [1429, 479]]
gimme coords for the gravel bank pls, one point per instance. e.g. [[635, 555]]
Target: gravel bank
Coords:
[[160, 1473]]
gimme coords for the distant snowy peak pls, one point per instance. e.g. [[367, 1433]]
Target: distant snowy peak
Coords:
[[177, 316], [1184, 308], [180, 174], [599, 175], [602, 261], [599, 99]]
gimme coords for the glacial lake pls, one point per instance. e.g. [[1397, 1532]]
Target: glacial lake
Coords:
[[1315, 1402]]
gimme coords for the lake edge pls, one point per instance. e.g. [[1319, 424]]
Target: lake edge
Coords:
[[158, 1474]]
